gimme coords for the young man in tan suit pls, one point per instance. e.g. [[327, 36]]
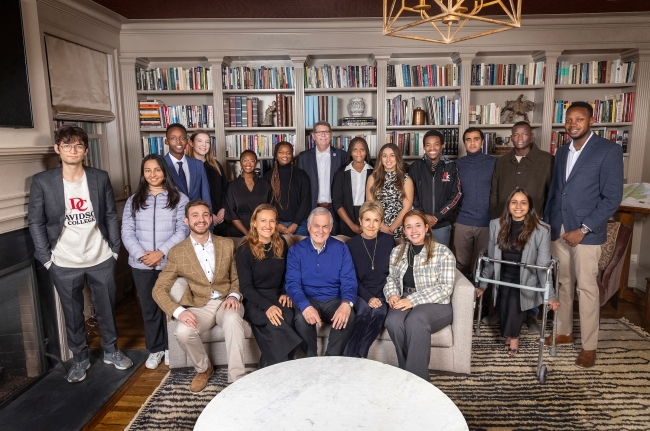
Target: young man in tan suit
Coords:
[[208, 264]]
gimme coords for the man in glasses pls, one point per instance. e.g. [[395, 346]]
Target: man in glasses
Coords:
[[530, 169], [73, 222], [188, 173], [321, 163]]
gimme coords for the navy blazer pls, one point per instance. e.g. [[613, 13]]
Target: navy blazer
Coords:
[[46, 213], [199, 186], [307, 162], [591, 194]]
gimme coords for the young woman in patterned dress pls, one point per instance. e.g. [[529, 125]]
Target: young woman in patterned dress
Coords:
[[390, 185]]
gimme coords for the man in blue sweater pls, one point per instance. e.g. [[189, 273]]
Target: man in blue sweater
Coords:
[[322, 284], [475, 171]]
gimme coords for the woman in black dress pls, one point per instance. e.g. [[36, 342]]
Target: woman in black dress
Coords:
[[349, 187], [201, 149], [261, 260], [290, 191], [244, 194]]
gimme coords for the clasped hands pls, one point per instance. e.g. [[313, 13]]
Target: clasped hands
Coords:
[[339, 321], [274, 313], [152, 258], [399, 303], [573, 238]]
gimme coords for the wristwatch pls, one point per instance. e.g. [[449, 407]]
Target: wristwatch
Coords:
[[350, 303], [584, 229]]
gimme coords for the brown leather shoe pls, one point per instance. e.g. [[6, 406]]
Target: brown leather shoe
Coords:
[[559, 339], [586, 358], [200, 381]]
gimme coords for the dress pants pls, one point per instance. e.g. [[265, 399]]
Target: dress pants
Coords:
[[337, 339], [411, 332], [69, 284], [155, 320], [207, 316], [579, 263], [442, 235], [368, 323], [468, 242], [511, 317]]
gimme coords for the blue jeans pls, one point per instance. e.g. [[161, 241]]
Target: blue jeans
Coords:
[[368, 323], [442, 235], [300, 230]]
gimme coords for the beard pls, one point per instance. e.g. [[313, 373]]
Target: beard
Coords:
[[199, 231]]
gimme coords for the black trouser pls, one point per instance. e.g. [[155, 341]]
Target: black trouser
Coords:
[[368, 323], [155, 321], [69, 284], [337, 339], [509, 307], [411, 332]]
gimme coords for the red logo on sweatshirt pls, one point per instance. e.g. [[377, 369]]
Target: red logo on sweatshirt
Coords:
[[445, 177], [78, 204]]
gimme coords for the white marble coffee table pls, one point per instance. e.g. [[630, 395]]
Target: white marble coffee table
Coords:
[[331, 393]]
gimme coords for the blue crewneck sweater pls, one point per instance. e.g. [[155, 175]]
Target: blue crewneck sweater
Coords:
[[475, 171]]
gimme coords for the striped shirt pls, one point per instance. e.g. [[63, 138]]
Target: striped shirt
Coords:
[[434, 281]]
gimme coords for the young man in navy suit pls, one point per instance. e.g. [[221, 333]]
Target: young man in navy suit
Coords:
[[586, 190], [188, 173], [321, 164]]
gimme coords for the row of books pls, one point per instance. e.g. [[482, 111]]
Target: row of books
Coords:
[[490, 140], [343, 142], [485, 114], [412, 143], [620, 137], [617, 108], [155, 114], [595, 72], [341, 77], [261, 144], [441, 110], [173, 78], [261, 78], [321, 108], [241, 111], [428, 75], [508, 74]]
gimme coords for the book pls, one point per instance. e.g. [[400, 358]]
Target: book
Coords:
[[173, 78]]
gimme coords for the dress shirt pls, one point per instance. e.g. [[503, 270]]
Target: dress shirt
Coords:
[[324, 163], [205, 255], [358, 180], [316, 248], [573, 155], [186, 167]]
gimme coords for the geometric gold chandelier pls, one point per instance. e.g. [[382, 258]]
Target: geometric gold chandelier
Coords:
[[448, 17]]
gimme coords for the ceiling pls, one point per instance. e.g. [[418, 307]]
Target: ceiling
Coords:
[[171, 9]]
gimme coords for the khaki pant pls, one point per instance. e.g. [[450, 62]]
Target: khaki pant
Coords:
[[207, 316], [578, 264], [468, 242]]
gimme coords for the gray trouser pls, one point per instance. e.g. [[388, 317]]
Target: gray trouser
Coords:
[[69, 284], [411, 332], [468, 242]]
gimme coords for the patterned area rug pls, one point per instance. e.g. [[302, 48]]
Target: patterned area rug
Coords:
[[502, 393]]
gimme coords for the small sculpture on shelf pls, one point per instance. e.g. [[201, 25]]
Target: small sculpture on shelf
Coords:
[[518, 107], [268, 115]]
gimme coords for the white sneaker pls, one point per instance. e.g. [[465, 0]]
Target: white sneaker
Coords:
[[154, 360], [167, 357]]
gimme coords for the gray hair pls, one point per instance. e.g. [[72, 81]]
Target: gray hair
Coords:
[[322, 123], [319, 211]]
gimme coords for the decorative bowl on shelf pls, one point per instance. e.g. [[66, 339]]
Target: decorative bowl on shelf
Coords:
[[356, 107]]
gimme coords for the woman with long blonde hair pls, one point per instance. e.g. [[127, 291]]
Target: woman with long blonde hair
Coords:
[[261, 262], [390, 185]]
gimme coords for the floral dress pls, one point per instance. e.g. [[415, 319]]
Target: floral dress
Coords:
[[392, 201]]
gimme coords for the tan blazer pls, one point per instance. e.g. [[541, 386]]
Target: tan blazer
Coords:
[[182, 262]]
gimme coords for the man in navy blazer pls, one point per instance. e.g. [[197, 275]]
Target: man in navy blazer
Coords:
[[188, 173], [321, 164], [586, 190]]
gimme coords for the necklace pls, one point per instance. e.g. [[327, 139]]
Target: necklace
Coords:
[[372, 259], [267, 249], [411, 257]]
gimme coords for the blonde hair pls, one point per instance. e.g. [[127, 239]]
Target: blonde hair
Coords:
[[253, 239], [374, 206], [209, 156]]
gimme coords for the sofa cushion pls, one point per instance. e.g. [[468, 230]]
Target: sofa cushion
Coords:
[[609, 245], [442, 338]]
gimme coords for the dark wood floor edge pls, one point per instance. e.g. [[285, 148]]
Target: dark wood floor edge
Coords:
[[114, 399]]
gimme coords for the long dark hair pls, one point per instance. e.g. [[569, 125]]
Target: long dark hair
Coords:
[[531, 222], [141, 194], [379, 174], [276, 196], [365, 145], [429, 242]]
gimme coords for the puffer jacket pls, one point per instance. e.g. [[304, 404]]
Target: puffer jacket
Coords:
[[153, 228]]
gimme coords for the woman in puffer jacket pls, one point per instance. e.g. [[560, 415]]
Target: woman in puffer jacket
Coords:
[[152, 224]]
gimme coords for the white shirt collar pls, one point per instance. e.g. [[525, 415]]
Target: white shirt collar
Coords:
[[195, 243], [327, 151], [316, 248], [572, 148], [366, 166]]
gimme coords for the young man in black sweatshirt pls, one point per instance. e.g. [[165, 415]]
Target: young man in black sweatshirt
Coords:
[[437, 186]]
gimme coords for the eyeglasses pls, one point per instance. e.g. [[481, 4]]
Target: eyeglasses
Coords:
[[175, 139], [68, 147], [322, 133]]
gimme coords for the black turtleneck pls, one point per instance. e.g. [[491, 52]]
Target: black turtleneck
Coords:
[[295, 194], [512, 272]]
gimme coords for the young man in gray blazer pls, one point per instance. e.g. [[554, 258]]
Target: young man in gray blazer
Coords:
[[321, 163], [73, 222], [586, 190]]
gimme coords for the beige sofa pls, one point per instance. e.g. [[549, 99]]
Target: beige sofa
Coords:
[[451, 348]]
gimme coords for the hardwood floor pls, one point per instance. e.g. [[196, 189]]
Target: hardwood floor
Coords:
[[124, 405]]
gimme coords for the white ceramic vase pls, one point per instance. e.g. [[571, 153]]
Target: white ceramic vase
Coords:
[[356, 107]]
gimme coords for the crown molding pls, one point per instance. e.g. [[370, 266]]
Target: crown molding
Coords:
[[89, 11], [24, 154]]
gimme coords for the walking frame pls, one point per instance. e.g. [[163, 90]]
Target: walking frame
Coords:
[[552, 268]]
